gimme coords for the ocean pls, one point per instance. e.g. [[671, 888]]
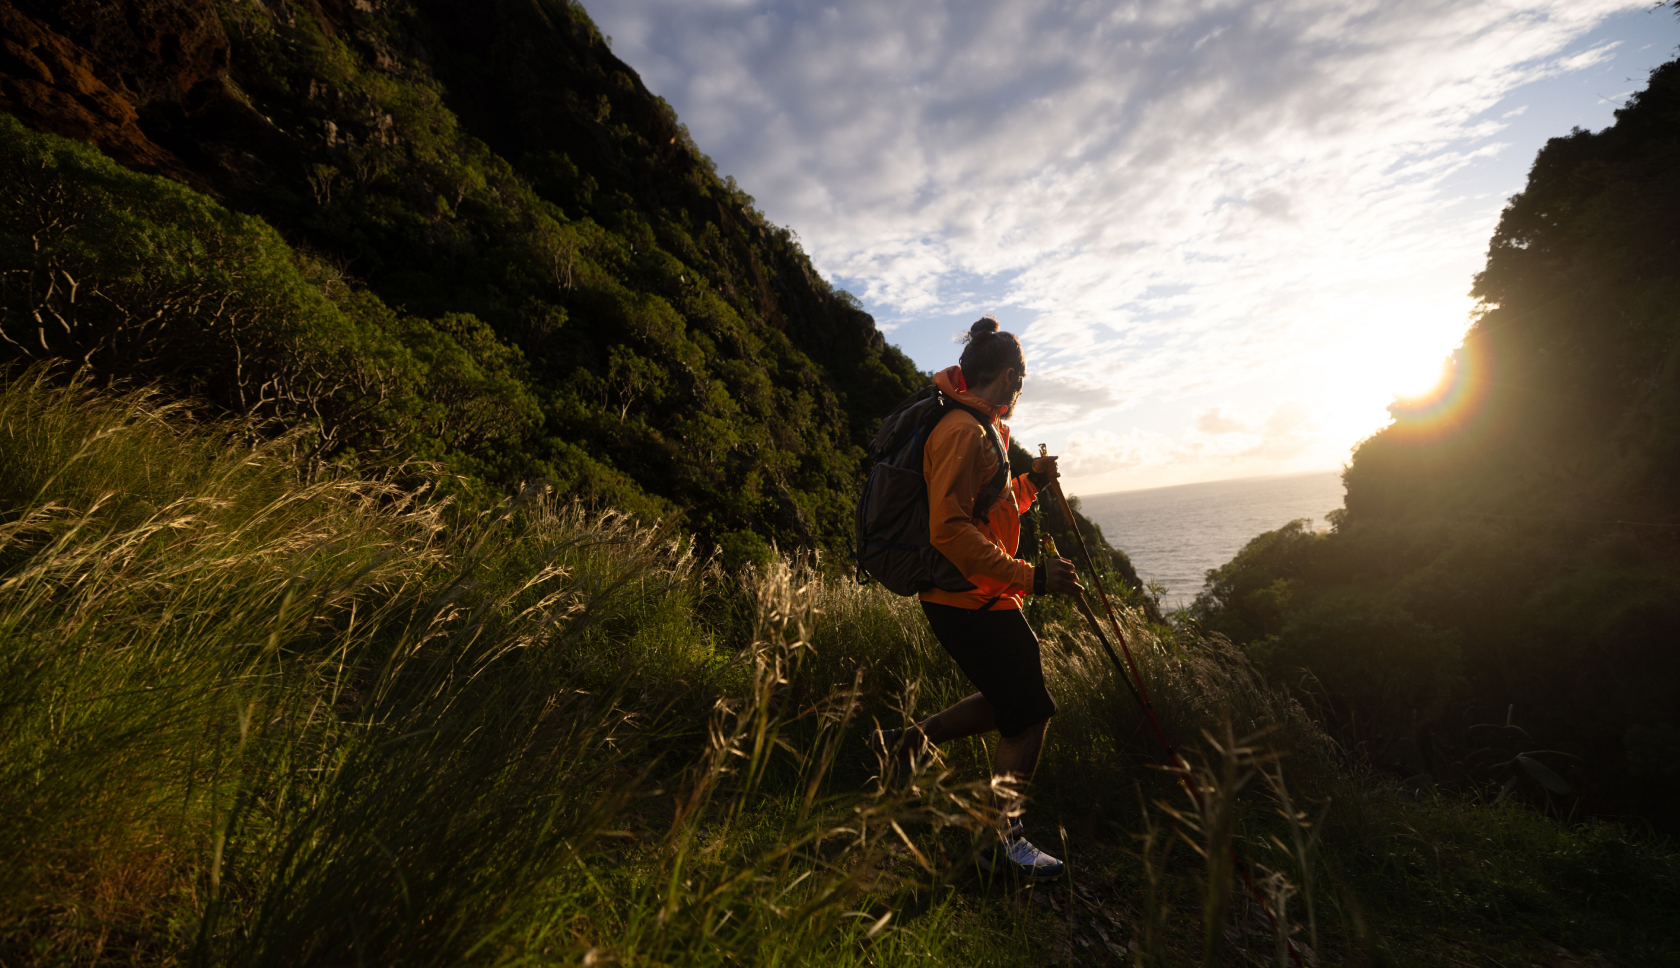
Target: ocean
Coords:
[[1175, 534]]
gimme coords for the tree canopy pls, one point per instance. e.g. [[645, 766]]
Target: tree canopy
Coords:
[[464, 232], [1510, 547]]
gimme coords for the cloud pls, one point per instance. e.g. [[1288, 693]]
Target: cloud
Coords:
[[1103, 453], [1061, 398], [1180, 195], [1229, 443], [1214, 421], [1289, 431]]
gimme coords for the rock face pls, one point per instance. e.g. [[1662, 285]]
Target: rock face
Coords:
[[131, 77]]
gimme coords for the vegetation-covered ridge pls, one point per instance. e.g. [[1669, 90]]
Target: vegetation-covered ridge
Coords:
[[287, 677], [471, 234], [1498, 604]]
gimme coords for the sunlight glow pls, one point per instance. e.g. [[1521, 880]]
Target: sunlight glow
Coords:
[[1459, 396], [1412, 379], [1403, 347], [1395, 348], [1394, 353]]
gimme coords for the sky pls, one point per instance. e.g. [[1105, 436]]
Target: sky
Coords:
[[1228, 232]]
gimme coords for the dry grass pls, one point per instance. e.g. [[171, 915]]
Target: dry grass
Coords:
[[249, 716]]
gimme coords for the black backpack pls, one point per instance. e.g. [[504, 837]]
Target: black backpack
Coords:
[[893, 543]]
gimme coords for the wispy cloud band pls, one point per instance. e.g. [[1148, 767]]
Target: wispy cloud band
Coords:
[[1182, 195]]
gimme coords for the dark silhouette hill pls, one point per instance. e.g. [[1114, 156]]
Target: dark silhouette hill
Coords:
[[1509, 552]]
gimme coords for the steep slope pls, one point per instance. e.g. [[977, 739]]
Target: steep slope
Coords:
[[1509, 546], [126, 77], [490, 177]]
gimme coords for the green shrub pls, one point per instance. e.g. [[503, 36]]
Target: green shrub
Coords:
[[1387, 668], [138, 278]]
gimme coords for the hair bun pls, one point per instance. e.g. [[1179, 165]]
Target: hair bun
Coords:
[[982, 327], [989, 352]]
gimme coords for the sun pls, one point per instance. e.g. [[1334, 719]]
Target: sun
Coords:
[[1402, 350], [1413, 378], [1389, 365], [1385, 353]]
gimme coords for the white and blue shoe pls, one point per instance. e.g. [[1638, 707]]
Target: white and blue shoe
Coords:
[[1018, 854]]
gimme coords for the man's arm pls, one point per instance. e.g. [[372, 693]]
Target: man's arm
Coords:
[[951, 465]]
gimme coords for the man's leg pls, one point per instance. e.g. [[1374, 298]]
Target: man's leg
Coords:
[[969, 716], [1017, 756], [1015, 763], [999, 653]]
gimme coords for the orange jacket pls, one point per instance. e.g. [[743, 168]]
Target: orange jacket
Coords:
[[957, 461]]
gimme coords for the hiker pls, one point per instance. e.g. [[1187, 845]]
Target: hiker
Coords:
[[983, 629]]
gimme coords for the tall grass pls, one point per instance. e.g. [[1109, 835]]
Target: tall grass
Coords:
[[252, 717]]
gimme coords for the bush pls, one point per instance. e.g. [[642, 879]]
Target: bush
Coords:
[[1384, 669], [137, 278], [738, 549]]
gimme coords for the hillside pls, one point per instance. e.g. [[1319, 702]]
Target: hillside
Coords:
[[251, 714], [1508, 553], [473, 215], [249, 719], [398, 409]]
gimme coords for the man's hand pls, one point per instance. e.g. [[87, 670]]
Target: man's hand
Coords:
[[1047, 467], [1059, 577]]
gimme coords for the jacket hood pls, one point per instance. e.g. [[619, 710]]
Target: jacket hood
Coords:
[[951, 383]]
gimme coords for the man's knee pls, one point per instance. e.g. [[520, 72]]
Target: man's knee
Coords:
[[1034, 728], [1032, 714]]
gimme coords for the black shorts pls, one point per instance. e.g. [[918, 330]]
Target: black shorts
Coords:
[[998, 652]]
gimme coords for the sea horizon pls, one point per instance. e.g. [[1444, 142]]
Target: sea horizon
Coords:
[[1218, 480], [1175, 534]]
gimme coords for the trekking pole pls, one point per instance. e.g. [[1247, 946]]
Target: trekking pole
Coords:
[[1091, 566], [1178, 764], [1049, 545]]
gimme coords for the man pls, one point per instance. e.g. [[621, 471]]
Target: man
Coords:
[[983, 629]]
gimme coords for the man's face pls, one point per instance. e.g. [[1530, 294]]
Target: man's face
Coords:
[[1017, 379]]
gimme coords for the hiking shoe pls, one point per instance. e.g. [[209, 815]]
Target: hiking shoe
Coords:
[[1018, 854]]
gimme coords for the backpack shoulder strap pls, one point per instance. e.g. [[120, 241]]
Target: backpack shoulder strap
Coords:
[[992, 489], [908, 417]]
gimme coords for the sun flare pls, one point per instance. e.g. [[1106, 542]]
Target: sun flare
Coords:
[[1403, 353], [1412, 379]]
